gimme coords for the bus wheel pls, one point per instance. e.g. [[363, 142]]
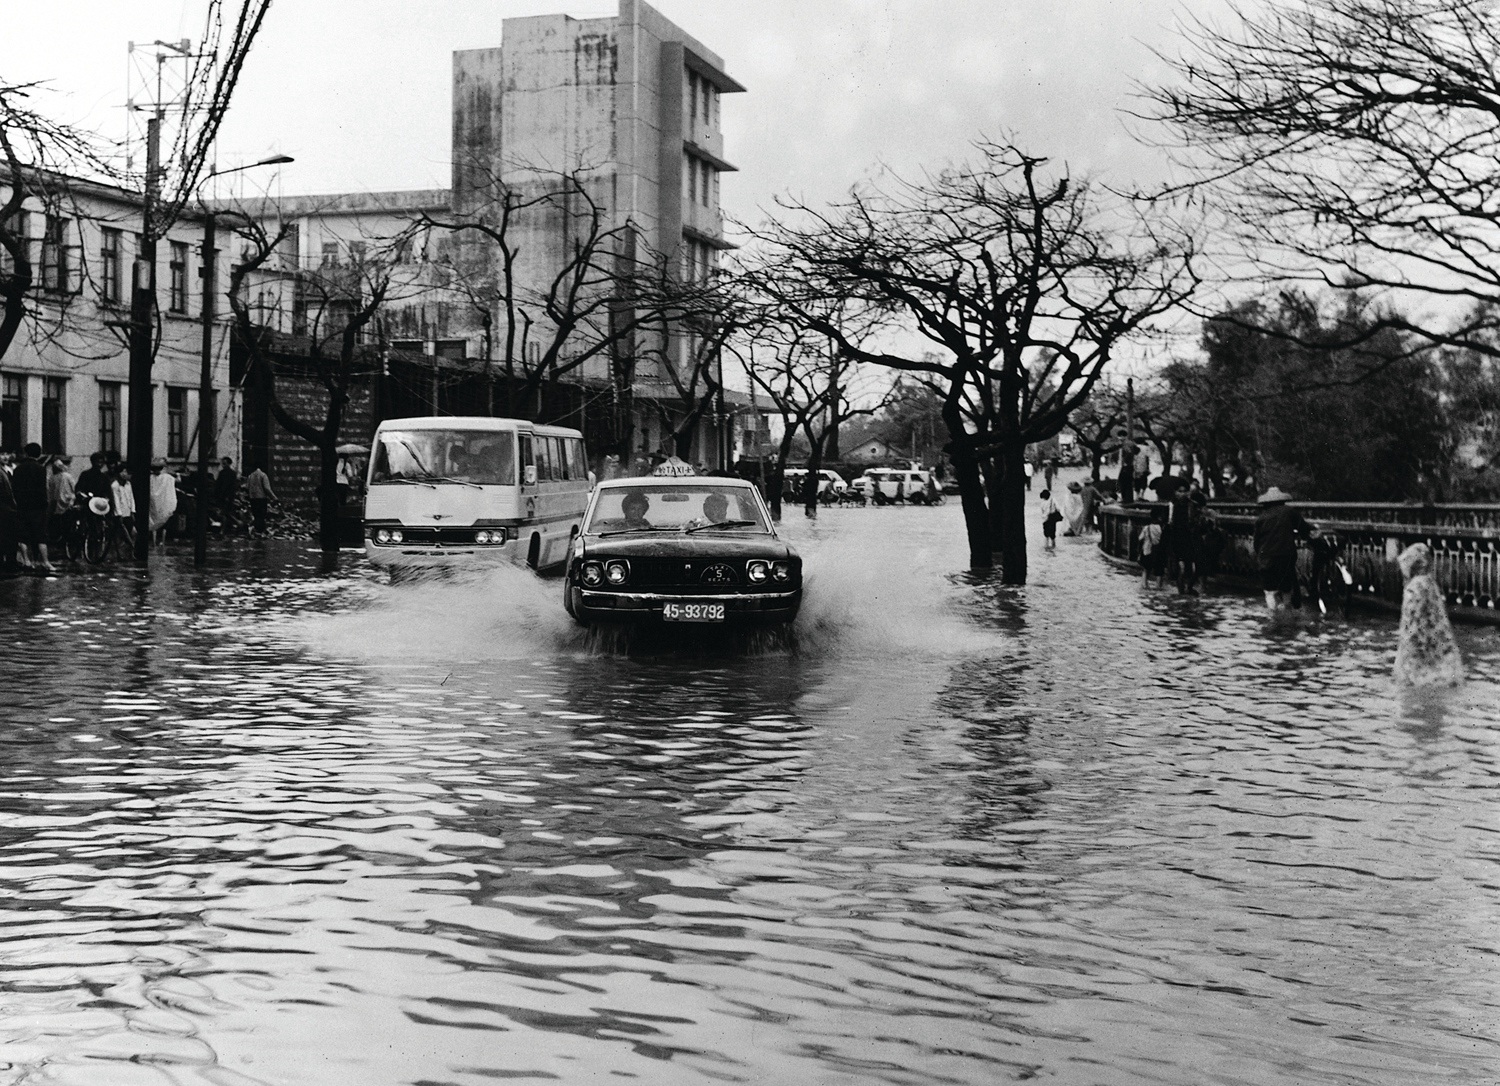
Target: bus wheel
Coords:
[[534, 553]]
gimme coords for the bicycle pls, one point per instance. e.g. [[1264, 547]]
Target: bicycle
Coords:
[[1329, 582], [91, 532]]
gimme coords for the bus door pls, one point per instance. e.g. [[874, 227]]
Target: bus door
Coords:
[[528, 503]]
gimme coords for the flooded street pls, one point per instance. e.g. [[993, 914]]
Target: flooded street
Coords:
[[270, 826]]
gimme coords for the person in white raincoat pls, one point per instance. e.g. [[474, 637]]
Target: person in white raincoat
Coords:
[[1426, 652], [163, 499]]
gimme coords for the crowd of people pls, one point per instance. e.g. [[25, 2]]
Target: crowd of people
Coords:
[[41, 501]]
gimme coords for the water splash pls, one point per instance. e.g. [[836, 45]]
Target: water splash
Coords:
[[856, 602]]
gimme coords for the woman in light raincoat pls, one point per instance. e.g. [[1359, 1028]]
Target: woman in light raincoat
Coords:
[[163, 499], [1426, 652]]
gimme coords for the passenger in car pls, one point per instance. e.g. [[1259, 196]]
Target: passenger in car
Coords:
[[634, 506], [715, 508]]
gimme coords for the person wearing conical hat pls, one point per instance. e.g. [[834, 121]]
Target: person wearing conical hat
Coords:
[[1276, 531]]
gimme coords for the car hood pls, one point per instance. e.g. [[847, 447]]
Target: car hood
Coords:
[[678, 545]]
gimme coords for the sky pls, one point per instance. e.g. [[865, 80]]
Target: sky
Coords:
[[359, 90]]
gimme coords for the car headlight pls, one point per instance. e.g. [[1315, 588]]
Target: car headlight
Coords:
[[396, 536], [617, 572], [592, 574], [382, 535], [782, 571], [757, 571], [481, 537]]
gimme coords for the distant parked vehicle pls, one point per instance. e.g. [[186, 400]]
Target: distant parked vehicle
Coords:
[[830, 483], [886, 485]]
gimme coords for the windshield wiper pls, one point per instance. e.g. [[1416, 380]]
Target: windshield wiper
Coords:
[[430, 478], [720, 524], [416, 456], [627, 531], [404, 479]]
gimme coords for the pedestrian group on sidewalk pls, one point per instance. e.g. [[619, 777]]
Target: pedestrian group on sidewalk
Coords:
[[40, 499]]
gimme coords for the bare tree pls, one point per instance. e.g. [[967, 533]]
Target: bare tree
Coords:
[[42, 158], [1025, 282], [1095, 424], [568, 284], [1353, 142], [340, 304], [811, 386]]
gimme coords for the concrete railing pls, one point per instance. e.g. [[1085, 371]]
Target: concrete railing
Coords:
[[1465, 541]]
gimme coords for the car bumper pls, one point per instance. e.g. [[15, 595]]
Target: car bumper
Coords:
[[423, 556], [740, 608]]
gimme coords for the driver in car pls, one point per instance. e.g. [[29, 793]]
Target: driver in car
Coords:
[[715, 509], [634, 507]]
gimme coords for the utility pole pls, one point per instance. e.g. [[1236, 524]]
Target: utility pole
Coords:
[[142, 325], [831, 452], [1127, 446], [206, 421], [489, 361]]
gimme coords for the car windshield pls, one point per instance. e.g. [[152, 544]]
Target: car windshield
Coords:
[[646, 507], [486, 457]]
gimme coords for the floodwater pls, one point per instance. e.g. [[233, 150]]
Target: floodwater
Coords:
[[275, 826]]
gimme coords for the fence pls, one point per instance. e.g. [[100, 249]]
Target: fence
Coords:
[[1465, 542]]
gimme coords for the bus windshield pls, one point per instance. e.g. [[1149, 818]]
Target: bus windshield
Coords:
[[486, 457]]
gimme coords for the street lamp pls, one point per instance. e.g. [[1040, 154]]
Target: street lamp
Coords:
[[206, 434]]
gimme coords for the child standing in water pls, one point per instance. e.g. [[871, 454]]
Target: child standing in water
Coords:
[[1051, 514], [1426, 652]]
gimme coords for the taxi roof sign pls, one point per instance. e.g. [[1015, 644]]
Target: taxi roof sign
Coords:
[[673, 466]]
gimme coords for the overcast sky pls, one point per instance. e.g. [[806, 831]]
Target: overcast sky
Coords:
[[359, 90]]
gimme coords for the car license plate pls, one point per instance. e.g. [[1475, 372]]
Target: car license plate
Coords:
[[693, 612]]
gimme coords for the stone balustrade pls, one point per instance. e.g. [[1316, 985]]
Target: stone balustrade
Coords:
[[1465, 541]]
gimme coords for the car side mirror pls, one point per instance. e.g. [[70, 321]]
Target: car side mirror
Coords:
[[530, 475]]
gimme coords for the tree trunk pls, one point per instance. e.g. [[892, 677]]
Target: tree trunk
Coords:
[[970, 487], [328, 490], [778, 473], [1013, 515], [814, 466], [991, 470]]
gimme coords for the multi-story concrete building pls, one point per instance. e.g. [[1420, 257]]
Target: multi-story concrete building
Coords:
[[618, 116], [64, 381]]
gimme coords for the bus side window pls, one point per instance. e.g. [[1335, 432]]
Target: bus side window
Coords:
[[577, 464], [528, 461], [544, 465], [559, 465]]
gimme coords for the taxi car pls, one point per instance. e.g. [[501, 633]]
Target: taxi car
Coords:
[[685, 549]]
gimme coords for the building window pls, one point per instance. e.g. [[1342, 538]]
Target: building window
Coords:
[[54, 434], [110, 267], [330, 254], [177, 299], [692, 172], [55, 254], [16, 226], [176, 422], [109, 416], [12, 413], [357, 250], [412, 346], [455, 349], [290, 247]]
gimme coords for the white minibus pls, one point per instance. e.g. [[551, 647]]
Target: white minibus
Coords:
[[453, 490]]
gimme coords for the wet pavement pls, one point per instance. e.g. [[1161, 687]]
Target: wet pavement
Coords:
[[272, 825]]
